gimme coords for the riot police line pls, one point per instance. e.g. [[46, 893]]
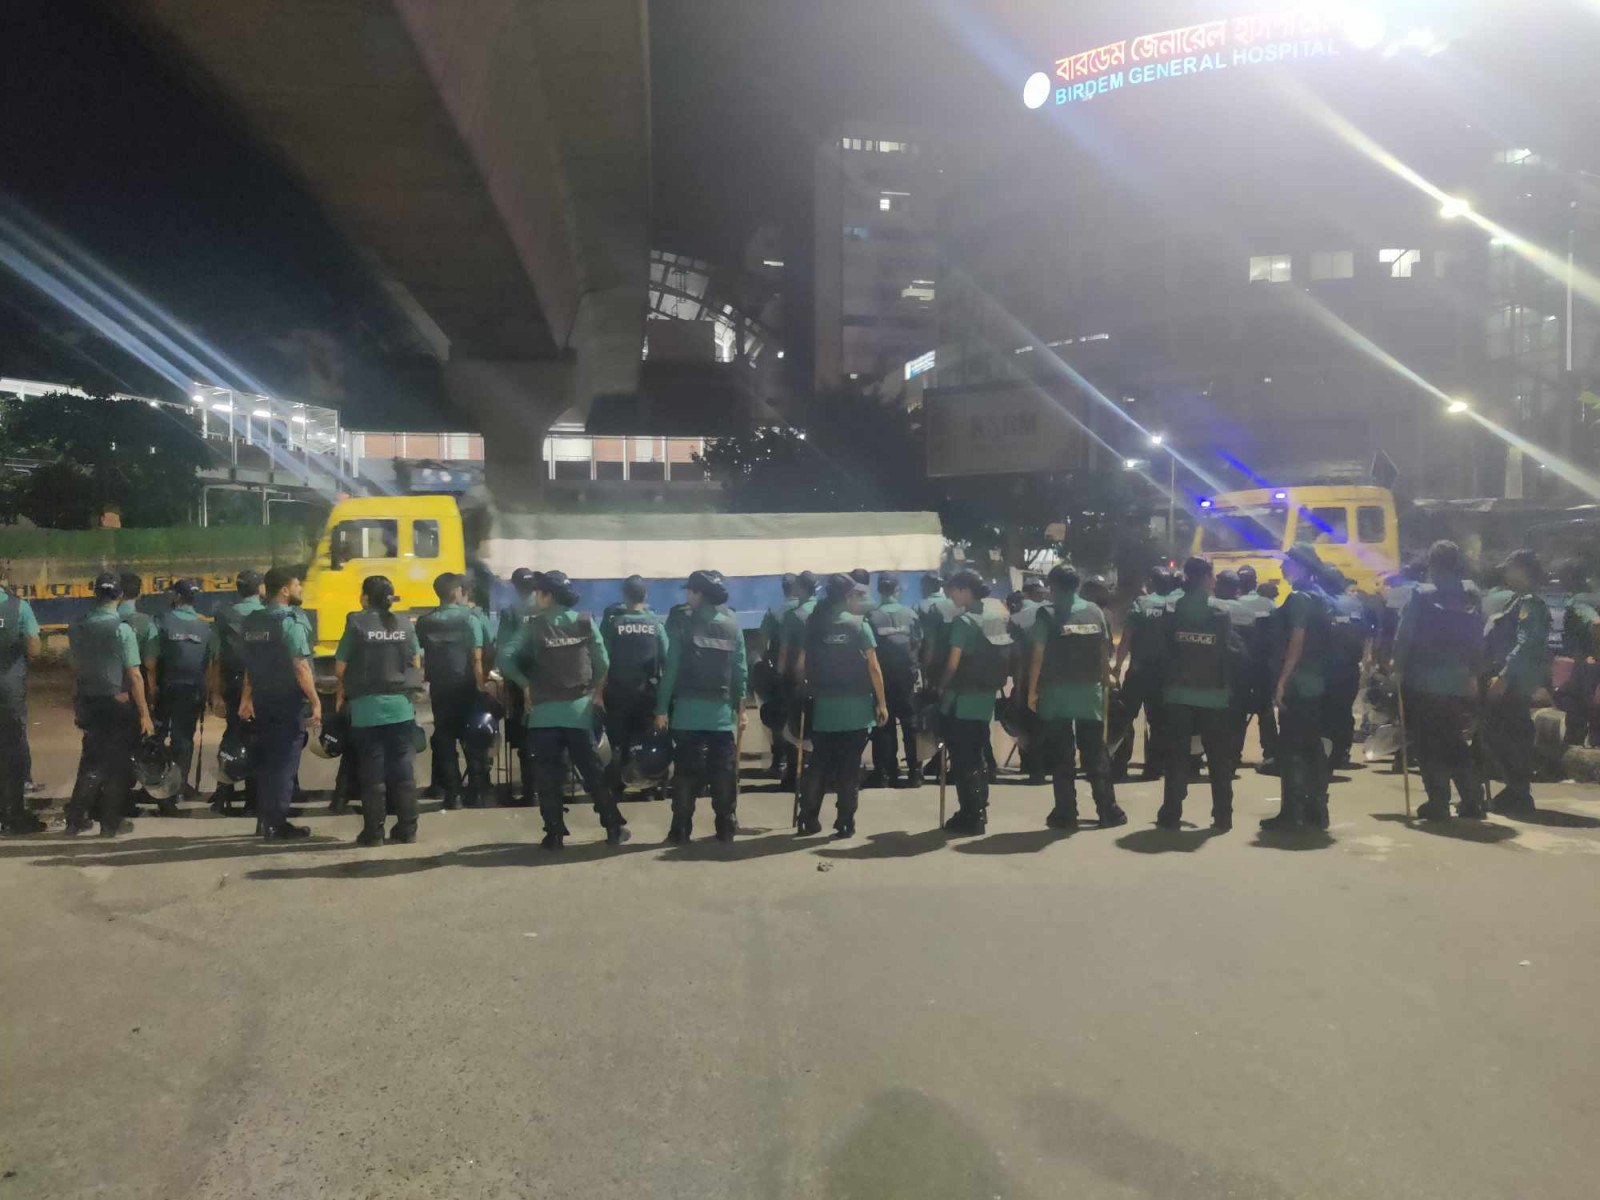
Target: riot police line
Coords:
[[656, 704]]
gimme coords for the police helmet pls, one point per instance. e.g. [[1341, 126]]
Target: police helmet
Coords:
[[969, 581], [1096, 590], [482, 726], [331, 739], [648, 759], [419, 739], [154, 769], [772, 714], [235, 756], [1016, 718], [709, 584]]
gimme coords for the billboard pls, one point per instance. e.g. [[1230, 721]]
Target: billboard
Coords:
[[1012, 429]]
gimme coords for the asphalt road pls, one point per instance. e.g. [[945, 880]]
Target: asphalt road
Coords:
[[1383, 1011]]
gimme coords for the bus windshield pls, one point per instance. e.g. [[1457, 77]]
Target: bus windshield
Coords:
[[1242, 530]]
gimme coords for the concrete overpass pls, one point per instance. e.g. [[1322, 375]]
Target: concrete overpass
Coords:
[[489, 158]]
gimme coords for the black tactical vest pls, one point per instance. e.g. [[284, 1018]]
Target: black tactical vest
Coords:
[[1314, 655], [706, 669], [266, 657], [97, 655], [1197, 649], [183, 651], [986, 664], [896, 629], [635, 646], [230, 637], [380, 658], [1448, 627], [561, 670], [1578, 639], [836, 657], [1074, 651], [447, 645], [1347, 628]]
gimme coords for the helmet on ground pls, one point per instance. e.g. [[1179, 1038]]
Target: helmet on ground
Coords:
[[648, 759], [481, 729], [772, 714], [419, 739], [235, 756], [154, 769]]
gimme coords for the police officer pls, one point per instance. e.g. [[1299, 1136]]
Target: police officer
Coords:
[[1518, 652], [1258, 684], [976, 666], [178, 665], [1397, 592], [227, 672], [111, 710], [636, 642], [771, 690], [1023, 605], [1141, 686], [1437, 646], [1351, 628], [452, 639], [898, 633], [512, 620], [280, 696], [1068, 668], [1580, 640], [701, 699], [792, 640], [19, 645], [1200, 657], [840, 671], [376, 666], [1097, 591], [1299, 649], [864, 602], [561, 661], [142, 624], [936, 611]]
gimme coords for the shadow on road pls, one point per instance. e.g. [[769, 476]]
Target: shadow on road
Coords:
[[143, 852], [1167, 841], [387, 863], [894, 843], [1078, 1130], [705, 848], [905, 1144], [1309, 838], [1485, 833], [1555, 818], [1029, 842]]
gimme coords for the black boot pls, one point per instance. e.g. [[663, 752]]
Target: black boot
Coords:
[[1062, 818], [874, 779]]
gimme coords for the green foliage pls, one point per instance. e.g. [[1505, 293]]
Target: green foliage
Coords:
[[98, 452]]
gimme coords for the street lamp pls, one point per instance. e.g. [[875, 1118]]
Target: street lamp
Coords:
[[1453, 207], [1457, 406]]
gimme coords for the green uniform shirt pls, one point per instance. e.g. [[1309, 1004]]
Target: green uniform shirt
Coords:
[[150, 643], [794, 627], [509, 631], [1067, 701], [772, 627], [1525, 664], [556, 714], [841, 714], [27, 625], [367, 712], [1197, 612], [694, 713], [966, 631], [244, 608], [1309, 679]]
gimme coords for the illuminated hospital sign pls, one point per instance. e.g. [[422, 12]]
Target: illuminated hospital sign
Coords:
[[1254, 40]]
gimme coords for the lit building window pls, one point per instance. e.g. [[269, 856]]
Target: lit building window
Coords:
[[919, 289], [1333, 264], [1522, 157], [855, 233], [923, 362], [772, 262], [891, 147], [1400, 262], [885, 203], [1269, 268]]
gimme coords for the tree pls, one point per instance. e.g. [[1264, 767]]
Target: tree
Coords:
[[97, 451], [858, 454]]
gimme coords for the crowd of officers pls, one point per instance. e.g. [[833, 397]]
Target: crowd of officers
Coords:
[[1202, 654]]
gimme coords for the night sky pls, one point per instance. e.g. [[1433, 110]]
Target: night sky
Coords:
[[110, 145]]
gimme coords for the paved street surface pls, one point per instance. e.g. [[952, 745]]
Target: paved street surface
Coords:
[[1383, 1011]]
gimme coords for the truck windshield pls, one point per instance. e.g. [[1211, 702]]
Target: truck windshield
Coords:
[[1233, 530]]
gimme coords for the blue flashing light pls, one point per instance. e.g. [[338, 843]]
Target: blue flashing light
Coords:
[[1205, 504], [1280, 495]]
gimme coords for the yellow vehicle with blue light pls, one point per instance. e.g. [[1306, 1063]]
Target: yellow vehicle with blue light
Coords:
[[1353, 529]]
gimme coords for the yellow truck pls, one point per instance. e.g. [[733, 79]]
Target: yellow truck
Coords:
[[1352, 528]]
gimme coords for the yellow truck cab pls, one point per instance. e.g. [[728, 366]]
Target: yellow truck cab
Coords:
[[1353, 528], [411, 539]]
